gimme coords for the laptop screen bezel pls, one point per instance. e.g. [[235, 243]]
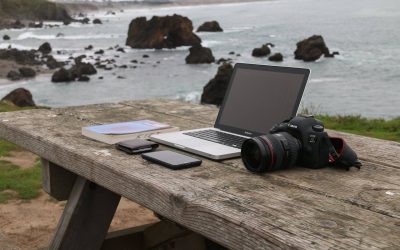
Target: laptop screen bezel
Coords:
[[241, 131]]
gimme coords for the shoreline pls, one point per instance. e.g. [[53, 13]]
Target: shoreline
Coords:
[[74, 8], [77, 7]]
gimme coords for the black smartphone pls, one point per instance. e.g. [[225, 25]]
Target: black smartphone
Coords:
[[136, 146], [171, 159]]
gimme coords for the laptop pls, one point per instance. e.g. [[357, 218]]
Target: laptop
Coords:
[[257, 97]]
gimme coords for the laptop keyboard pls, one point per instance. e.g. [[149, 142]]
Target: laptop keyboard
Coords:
[[218, 137]]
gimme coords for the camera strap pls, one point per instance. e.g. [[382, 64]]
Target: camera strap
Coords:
[[340, 154]]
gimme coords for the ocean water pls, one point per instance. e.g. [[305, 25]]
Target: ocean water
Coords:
[[364, 79]]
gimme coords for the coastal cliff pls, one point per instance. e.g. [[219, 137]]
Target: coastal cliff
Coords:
[[33, 10]]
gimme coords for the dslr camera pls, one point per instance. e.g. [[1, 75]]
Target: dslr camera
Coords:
[[300, 141]]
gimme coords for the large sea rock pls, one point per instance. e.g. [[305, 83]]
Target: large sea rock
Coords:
[[27, 72], [63, 75], [312, 49], [277, 57], [211, 26], [264, 50], [214, 91], [161, 32], [45, 48], [52, 63], [26, 57], [199, 54], [79, 71], [20, 97], [14, 75]]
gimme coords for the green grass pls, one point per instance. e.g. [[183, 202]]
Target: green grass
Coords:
[[26, 183], [378, 128], [6, 147], [6, 107]]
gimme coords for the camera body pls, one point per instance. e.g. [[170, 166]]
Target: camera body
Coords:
[[314, 141], [301, 140]]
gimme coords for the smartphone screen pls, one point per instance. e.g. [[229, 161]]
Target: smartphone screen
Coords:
[[171, 159]]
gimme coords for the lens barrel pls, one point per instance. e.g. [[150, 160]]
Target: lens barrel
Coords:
[[270, 152]]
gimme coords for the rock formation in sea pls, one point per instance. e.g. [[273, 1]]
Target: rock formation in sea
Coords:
[[24, 57], [199, 54], [63, 75], [27, 72], [77, 71], [20, 97], [214, 91], [211, 26], [24, 72], [85, 20], [6, 24], [223, 60], [312, 49], [45, 48], [52, 63], [161, 32], [97, 21], [277, 57], [38, 25], [99, 52], [264, 50], [14, 75]]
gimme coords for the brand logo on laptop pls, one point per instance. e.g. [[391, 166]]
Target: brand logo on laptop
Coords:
[[248, 133]]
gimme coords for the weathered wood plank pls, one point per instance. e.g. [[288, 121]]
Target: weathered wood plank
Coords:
[[86, 217], [352, 188], [222, 200], [57, 181]]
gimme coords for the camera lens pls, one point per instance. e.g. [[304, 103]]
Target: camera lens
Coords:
[[270, 152]]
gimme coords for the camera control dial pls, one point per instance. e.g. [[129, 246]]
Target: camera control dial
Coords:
[[318, 128]]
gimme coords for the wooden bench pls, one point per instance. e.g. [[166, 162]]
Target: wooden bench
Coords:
[[221, 201]]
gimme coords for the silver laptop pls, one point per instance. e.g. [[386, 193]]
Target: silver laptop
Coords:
[[258, 97]]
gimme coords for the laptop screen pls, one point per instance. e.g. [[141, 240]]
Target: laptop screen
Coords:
[[259, 97]]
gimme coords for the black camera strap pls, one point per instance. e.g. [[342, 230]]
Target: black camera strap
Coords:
[[340, 154]]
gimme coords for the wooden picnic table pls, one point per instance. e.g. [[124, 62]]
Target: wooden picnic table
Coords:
[[296, 208]]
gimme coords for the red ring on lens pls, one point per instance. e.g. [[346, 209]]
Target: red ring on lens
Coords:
[[271, 149]]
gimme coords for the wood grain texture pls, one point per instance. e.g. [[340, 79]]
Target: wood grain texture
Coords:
[[296, 208]]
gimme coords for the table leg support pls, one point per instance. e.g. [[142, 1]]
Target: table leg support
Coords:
[[86, 217]]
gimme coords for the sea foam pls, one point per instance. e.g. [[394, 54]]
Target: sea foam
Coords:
[[31, 35]]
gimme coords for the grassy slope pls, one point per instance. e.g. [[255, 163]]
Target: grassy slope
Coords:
[[378, 128], [24, 183]]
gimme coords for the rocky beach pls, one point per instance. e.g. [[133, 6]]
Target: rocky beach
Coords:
[[100, 36]]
